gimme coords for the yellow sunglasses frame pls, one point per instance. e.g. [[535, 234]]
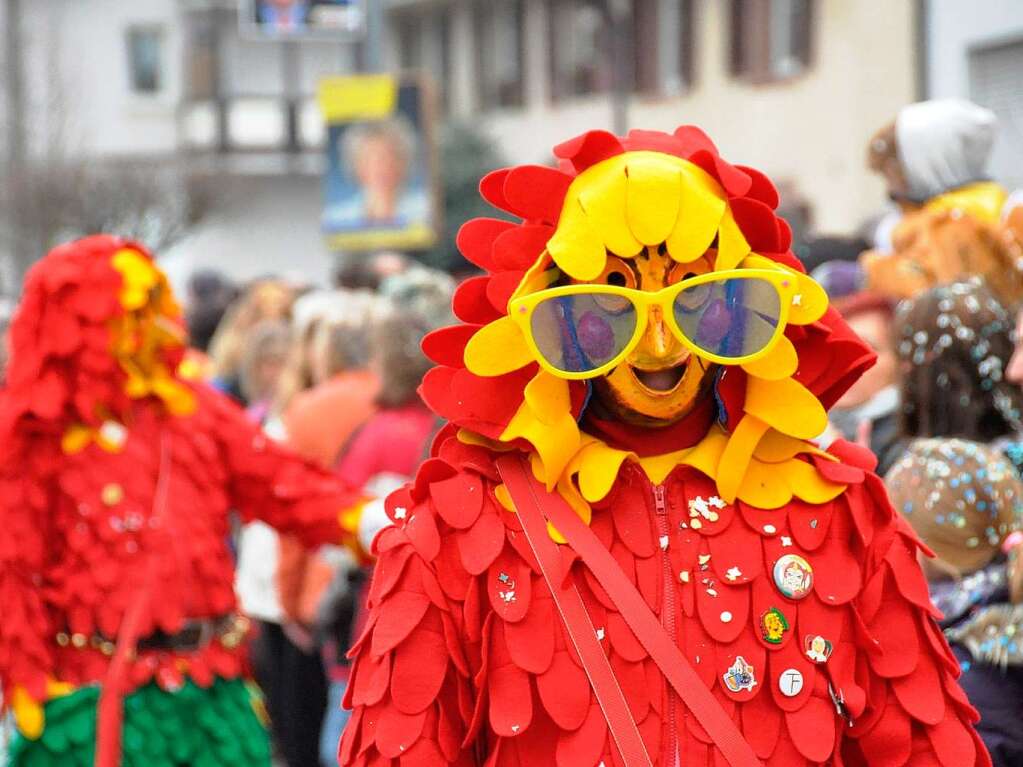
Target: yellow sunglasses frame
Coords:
[[521, 311]]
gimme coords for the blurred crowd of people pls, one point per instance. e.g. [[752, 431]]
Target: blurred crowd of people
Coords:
[[333, 374]]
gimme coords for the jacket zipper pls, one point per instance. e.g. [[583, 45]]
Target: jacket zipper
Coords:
[[667, 611]]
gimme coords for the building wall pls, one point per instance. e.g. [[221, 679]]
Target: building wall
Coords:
[[956, 26], [975, 51], [78, 77], [810, 131]]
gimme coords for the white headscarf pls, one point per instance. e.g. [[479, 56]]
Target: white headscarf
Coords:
[[943, 145]]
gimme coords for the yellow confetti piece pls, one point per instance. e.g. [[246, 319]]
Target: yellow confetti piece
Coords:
[[76, 438], [496, 349]]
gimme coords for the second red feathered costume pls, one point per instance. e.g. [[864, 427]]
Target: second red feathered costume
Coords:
[[117, 479], [781, 571]]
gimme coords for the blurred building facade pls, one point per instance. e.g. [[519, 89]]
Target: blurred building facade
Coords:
[[162, 84], [793, 87], [975, 51]]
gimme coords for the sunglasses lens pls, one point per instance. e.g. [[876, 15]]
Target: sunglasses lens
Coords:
[[730, 318], [582, 332]]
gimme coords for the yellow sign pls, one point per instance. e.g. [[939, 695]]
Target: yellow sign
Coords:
[[357, 97]]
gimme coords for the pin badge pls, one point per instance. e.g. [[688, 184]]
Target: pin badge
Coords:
[[773, 625], [818, 649], [793, 576], [740, 676], [790, 682]]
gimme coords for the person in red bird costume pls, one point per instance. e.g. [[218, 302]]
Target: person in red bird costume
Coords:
[[625, 548], [116, 481]]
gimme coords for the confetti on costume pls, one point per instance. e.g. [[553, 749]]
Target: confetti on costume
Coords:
[[695, 475], [116, 478]]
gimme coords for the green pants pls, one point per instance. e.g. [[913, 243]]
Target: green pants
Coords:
[[205, 727]]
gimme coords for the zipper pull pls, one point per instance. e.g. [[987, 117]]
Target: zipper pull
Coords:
[[659, 502]]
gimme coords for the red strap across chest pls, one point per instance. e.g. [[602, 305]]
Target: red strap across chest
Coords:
[[577, 622], [535, 507]]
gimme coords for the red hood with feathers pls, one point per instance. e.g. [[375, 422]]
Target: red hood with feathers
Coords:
[[831, 356]]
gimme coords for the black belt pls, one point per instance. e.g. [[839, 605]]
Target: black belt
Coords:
[[193, 636]]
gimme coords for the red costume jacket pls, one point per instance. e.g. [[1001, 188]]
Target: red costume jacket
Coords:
[[796, 596]]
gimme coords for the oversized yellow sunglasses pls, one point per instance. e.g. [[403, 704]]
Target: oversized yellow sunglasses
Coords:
[[584, 331]]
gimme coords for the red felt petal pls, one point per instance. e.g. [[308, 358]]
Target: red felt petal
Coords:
[[421, 529], [371, 680], [762, 188], [564, 691], [920, 693], [430, 471], [735, 182], [481, 543], [446, 346], [538, 191], [736, 558], [511, 701], [790, 657], [388, 572], [584, 746], [785, 754], [492, 188], [425, 753], [470, 303], [836, 571], [458, 500], [396, 617], [723, 608], [419, 668], [812, 728], [757, 222], [761, 724], [397, 732], [633, 522], [809, 522], [517, 249], [589, 149], [501, 287], [509, 586], [622, 638], [766, 522], [749, 648], [531, 640], [476, 237], [854, 455], [952, 742], [889, 743], [895, 630]]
